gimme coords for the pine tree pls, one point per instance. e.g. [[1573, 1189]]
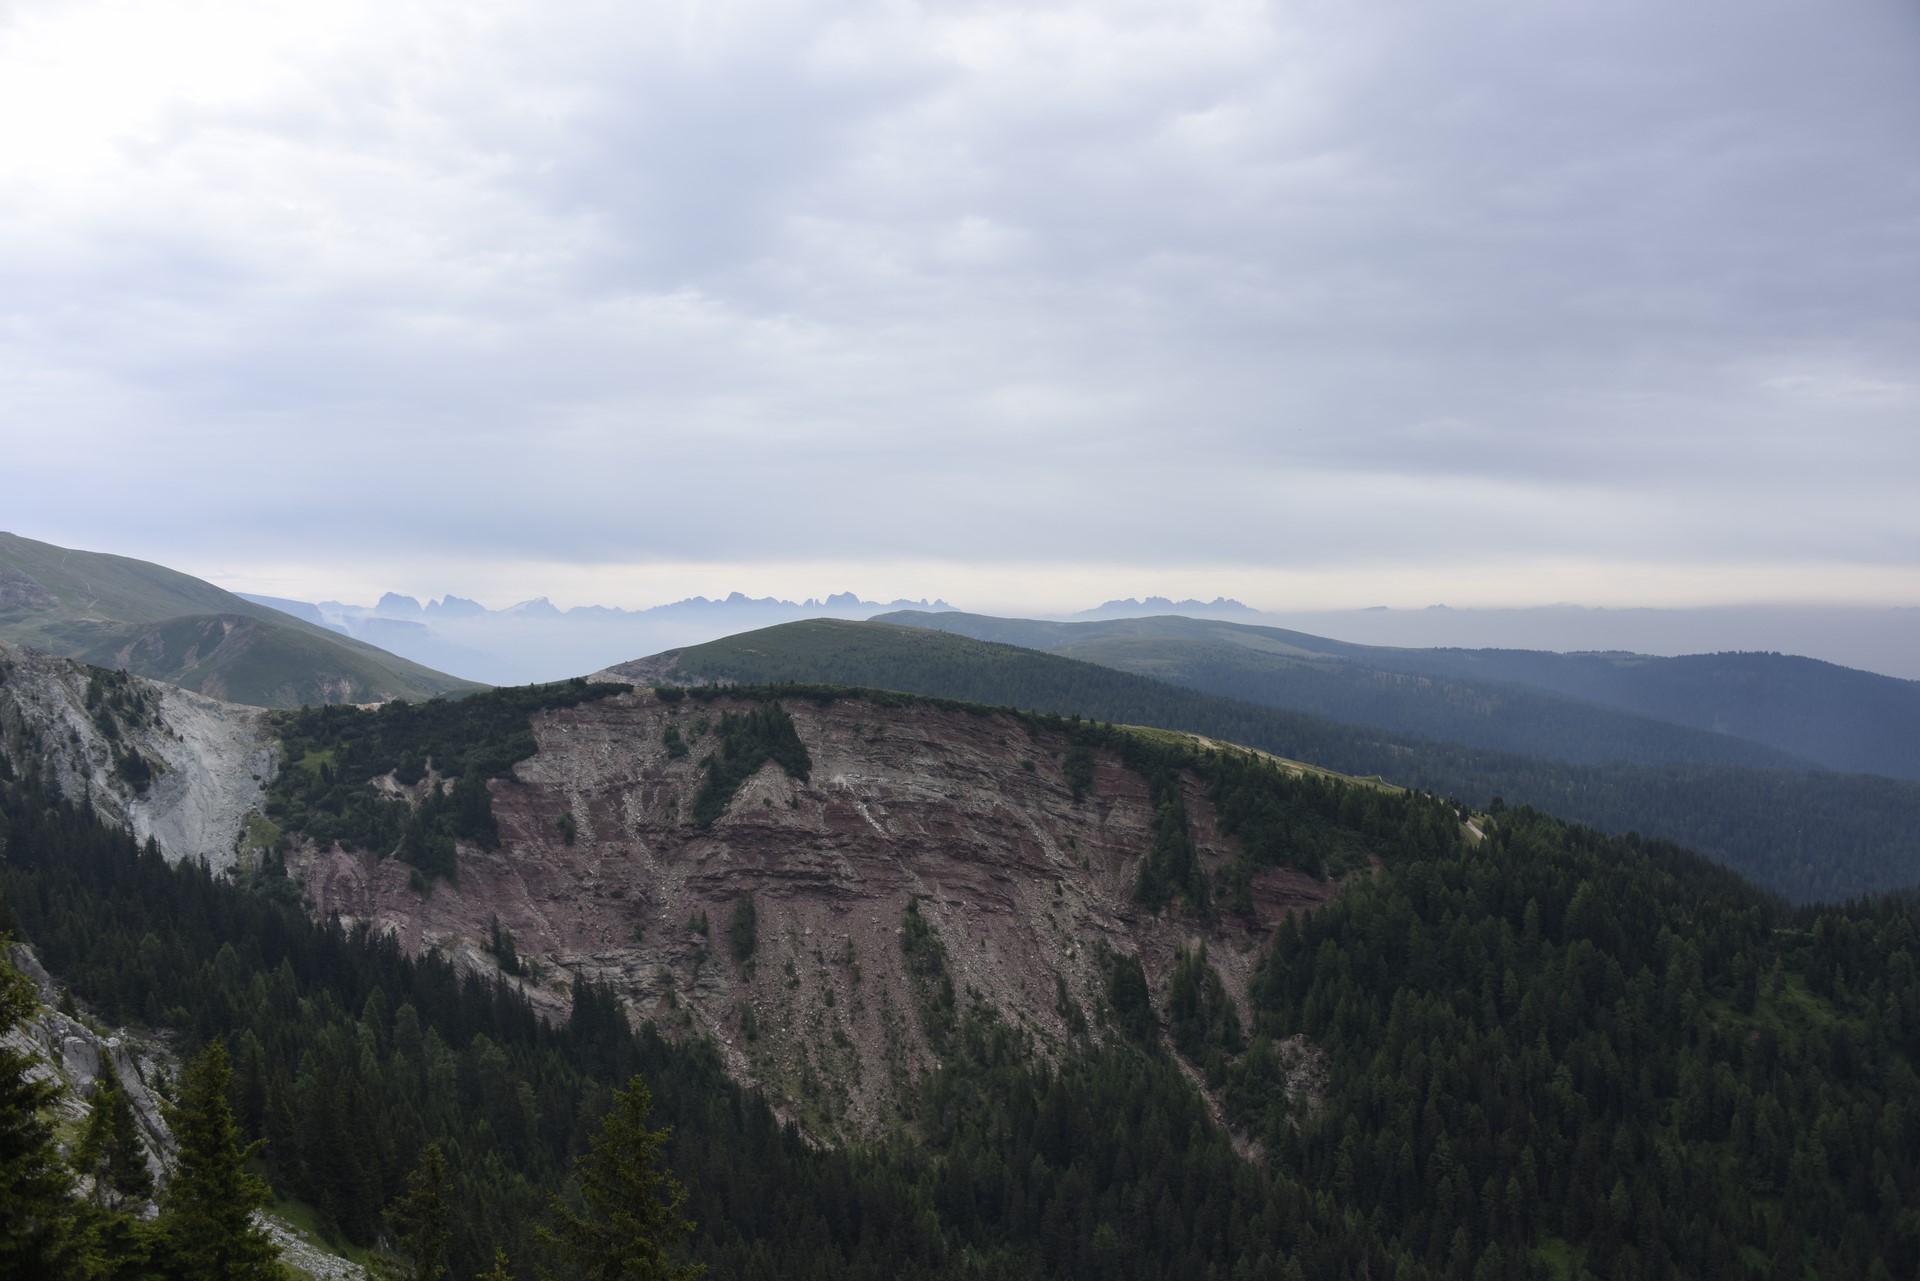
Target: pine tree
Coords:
[[35, 1193], [745, 927], [420, 1218], [631, 1220], [207, 1209], [110, 1151]]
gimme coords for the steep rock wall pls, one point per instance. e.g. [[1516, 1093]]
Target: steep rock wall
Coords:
[[968, 815]]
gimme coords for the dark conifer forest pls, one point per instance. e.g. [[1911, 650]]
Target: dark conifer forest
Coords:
[[1548, 1053]]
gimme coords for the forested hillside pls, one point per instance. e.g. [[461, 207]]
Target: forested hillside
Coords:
[[1548, 1053], [1808, 835], [1363, 685], [1837, 716], [1591, 708]]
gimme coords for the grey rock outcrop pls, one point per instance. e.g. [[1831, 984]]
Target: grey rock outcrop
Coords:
[[210, 761]]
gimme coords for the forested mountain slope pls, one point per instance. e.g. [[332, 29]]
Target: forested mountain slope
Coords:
[[1497, 1047], [157, 622], [1836, 716], [1707, 709], [1807, 835]]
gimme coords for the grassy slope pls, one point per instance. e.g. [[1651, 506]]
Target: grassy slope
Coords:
[[1807, 835], [158, 622], [1723, 709]]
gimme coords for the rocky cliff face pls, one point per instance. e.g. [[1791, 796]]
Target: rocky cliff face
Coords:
[[203, 763], [966, 815]]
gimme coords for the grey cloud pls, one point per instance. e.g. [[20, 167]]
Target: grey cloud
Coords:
[[1399, 281]]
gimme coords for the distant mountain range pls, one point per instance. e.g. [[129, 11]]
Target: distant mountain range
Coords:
[[1218, 607], [394, 605], [118, 612]]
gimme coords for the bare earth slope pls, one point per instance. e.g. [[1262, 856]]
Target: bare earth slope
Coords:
[[1023, 886], [208, 760]]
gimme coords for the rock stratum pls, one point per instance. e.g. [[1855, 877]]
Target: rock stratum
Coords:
[[967, 816]]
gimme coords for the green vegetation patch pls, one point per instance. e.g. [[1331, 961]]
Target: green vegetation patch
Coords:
[[744, 928], [931, 977], [1128, 997], [117, 704], [326, 791], [114, 700], [748, 740], [1203, 1019]]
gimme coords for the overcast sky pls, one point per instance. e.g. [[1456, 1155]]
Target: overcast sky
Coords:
[[1312, 304]]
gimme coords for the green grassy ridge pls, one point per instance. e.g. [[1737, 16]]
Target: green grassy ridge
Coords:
[[1839, 717], [158, 622], [1807, 835], [246, 660]]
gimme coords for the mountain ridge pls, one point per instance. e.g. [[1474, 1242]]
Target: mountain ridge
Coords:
[[119, 611], [1809, 835], [1805, 710]]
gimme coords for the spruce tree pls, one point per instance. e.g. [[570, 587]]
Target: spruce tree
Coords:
[[420, 1219], [35, 1192], [207, 1208], [110, 1151], [630, 1219]]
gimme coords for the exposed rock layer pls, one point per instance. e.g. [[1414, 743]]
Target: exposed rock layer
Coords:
[[966, 813]]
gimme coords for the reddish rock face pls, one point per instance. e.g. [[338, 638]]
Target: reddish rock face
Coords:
[[1022, 884]]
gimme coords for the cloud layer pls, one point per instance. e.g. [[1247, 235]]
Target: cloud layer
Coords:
[[1257, 292]]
